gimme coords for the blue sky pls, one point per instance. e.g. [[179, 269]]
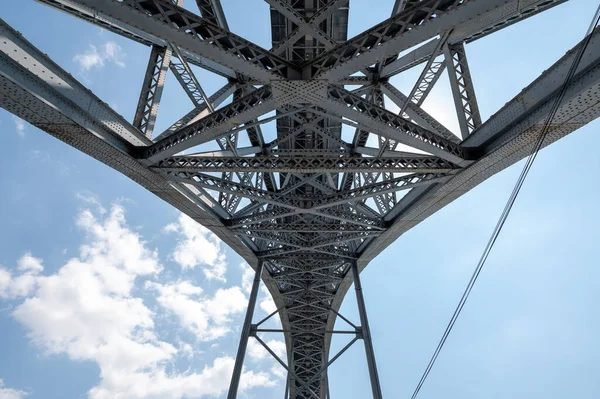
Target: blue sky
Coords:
[[106, 291]]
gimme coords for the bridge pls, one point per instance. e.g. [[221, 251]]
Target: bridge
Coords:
[[309, 209]]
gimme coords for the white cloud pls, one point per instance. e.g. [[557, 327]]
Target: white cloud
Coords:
[[258, 352], [114, 53], [8, 393], [28, 263], [87, 310], [207, 317], [265, 301], [247, 277], [20, 126], [92, 199], [23, 284], [198, 246], [279, 371], [94, 58], [267, 304]]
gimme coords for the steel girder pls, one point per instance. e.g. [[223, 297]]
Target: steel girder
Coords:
[[462, 89], [152, 87], [422, 164], [310, 204]]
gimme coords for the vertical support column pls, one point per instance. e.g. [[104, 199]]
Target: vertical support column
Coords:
[[239, 360], [287, 387], [461, 83], [152, 88], [366, 332]]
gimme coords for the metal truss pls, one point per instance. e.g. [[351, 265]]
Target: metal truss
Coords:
[[417, 164], [156, 73], [462, 89], [309, 208]]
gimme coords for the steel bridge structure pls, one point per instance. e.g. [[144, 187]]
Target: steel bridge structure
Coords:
[[311, 208]]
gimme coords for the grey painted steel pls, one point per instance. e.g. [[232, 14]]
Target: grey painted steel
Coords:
[[463, 91], [131, 32], [245, 334], [152, 88], [213, 11], [366, 333], [182, 71], [208, 40], [311, 201], [416, 113], [304, 165], [427, 77], [411, 27], [200, 111]]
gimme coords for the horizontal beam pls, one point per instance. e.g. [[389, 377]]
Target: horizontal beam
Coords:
[[304, 164]]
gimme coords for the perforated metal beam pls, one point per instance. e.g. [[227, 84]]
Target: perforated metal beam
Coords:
[[463, 91], [305, 164], [152, 88]]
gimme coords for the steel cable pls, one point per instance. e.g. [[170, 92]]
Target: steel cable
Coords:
[[511, 200]]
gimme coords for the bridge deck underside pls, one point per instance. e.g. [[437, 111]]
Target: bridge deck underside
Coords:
[[312, 200]]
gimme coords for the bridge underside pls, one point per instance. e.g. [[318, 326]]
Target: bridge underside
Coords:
[[312, 203]]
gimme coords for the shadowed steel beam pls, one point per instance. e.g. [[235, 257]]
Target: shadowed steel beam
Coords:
[[152, 88], [213, 11], [307, 27], [415, 57], [245, 335], [462, 89], [470, 31], [187, 79], [304, 27], [395, 35], [401, 5], [366, 332]]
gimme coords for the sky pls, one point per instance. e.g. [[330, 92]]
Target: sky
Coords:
[[108, 292]]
